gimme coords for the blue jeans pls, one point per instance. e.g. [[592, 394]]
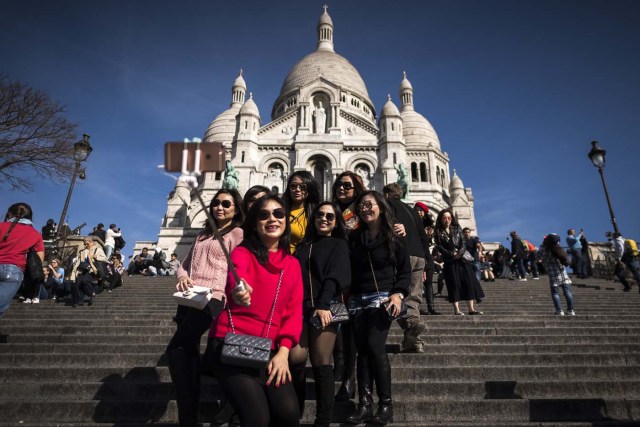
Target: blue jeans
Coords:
[[634, 266], [108, 250], [580, 269], [477, 269], [555, 294], [10, 280], [522, 273]]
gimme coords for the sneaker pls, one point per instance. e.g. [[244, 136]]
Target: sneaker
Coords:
[[559, 313], [21, 298], [27, 301], [571, 313], [524, 279], [35, 301], [536, 278], [53, 298]]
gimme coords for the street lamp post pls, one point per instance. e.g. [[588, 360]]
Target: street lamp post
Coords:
[[81, 151], [597, 157]]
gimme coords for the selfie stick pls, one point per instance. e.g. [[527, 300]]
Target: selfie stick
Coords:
[[191, 179]]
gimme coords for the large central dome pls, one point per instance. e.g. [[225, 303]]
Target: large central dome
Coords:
[[329, 65], [324, 63]]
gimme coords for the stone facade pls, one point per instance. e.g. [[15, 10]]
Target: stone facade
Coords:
[[323, 121]]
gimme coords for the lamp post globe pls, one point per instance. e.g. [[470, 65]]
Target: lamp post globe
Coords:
[[82, 149], [597, 157]]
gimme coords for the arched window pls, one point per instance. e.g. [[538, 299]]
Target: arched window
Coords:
[[438, 175], [442, 177], [423, 172], [246, 124], [392, 127], [395, 159], [242, 159], [414, 172]]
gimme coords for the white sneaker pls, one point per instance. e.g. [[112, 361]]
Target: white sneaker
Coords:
[[35, 301], [571, 313], [524, 279], [27, 301], [559, 313], [536, 278]]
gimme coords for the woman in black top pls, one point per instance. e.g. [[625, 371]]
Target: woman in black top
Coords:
[[461, 281], [326, 272], [380, 276]]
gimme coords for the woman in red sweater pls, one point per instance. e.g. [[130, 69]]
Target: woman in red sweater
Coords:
[[205, 265], [262, 397]]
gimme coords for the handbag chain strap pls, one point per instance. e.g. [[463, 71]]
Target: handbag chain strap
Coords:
[[273, 308], [313, 304], [375, 282]]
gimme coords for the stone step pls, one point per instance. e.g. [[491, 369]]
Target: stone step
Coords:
[[453, 374], [507, 410], [120, 348], [125, 389]]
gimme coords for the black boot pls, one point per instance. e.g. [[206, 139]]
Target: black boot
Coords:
[[383, 387], [299, 380], [185, 375], [364, 413], [325, 387]]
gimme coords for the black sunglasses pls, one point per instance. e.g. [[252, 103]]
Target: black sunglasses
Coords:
[[328, 215], [295, 186], [365, 206], [346, 185], [264, 214], [225, 203]]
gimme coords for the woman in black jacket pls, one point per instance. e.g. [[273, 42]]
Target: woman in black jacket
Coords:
[[326, 272], [460, 279], [380, 277]]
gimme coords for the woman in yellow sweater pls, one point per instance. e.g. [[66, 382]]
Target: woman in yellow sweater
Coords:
[[302, 195]]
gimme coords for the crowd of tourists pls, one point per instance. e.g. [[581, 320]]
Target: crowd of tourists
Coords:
[[321, 280]]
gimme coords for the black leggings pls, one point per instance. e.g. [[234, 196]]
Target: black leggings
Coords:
[[316, 343], [257, 404], [193, 325], [370, 330]]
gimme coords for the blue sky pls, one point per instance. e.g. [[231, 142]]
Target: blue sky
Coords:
[[516, 91]]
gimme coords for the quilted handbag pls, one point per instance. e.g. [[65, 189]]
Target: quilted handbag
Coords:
[[248, 351], [196, 297]]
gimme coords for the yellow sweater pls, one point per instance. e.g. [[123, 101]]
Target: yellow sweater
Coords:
[[298, 221]]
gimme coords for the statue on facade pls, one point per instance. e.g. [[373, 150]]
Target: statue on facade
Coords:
[[319, 118], [363, 173], [231, 177], [403, 179]]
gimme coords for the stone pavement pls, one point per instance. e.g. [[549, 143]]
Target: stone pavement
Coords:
[[518, 365]]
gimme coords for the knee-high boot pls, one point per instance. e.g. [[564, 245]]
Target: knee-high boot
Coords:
[[185, 375], [364, 412], [383, 387], [325, 387], [299, 379]]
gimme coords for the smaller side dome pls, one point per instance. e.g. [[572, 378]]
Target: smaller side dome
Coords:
[[239, 82], [250, 107], [389, 108], [456, 183]]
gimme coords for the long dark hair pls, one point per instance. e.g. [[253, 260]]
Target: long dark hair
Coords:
[[313, 192], [18, 211], [256, 189], [454, 222], [252, 240], [237, 219], [311, 233], [358, 187], [386, 219]]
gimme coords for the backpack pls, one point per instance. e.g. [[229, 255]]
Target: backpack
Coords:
[[530, 247], [630, 247], [119, 242], [525, 247]]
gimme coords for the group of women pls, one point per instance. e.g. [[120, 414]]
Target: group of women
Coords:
[[296, 256]]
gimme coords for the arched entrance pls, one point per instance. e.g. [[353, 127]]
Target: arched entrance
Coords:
[[321, 170]]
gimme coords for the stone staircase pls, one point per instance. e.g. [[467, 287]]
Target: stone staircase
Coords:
[[518, 365]]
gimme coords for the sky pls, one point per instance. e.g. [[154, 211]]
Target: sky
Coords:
[[516, 91]]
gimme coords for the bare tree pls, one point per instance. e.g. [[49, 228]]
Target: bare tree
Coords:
[[35, 136]]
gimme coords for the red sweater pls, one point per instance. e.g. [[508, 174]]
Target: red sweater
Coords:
[[21, 239], [286, 325]]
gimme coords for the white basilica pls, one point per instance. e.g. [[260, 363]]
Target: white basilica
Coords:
[[323, 121]]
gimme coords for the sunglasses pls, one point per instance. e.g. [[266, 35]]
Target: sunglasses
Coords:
[[365, 206], [295, 186], [328, 215], [346, 185], [264, 214], [225, 203]]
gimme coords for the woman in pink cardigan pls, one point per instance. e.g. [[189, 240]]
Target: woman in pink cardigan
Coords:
[[205, 265], [262, 397]]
